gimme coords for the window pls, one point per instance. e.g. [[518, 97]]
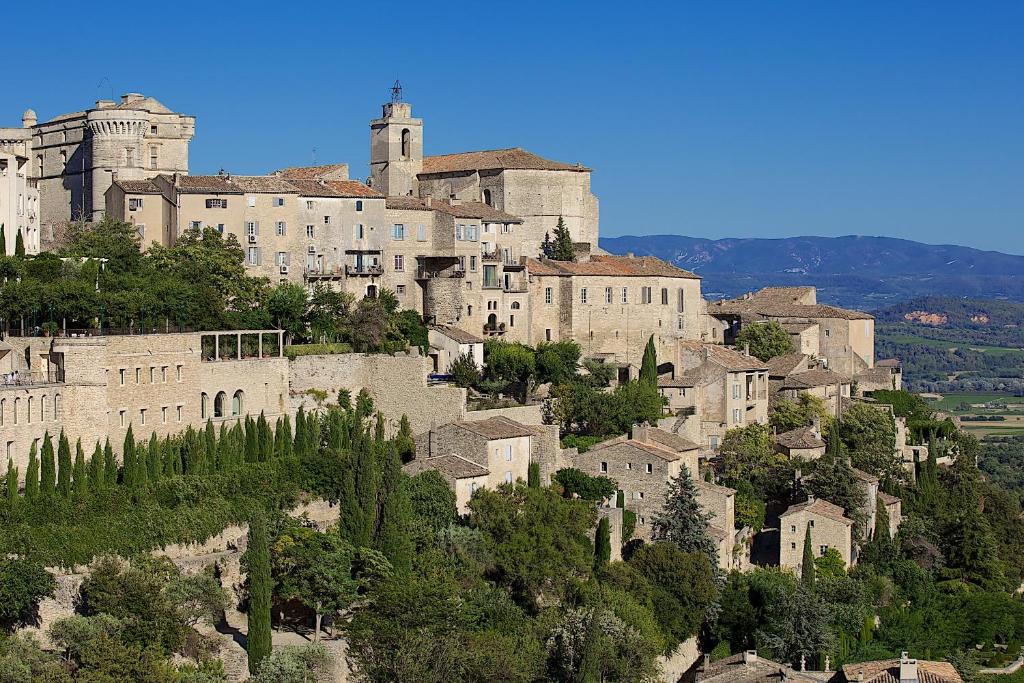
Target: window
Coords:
[[583, 295], [359, 205], [359, 231], [713, 443], [120, 415], [664, 296], [810, 523], [506, 228], [218, 404], [278, 201], [138, 375], [280, 229], [508, 453], [152, 375], [607, 295], [163, 415], [179, 413], [400, 289], [310, 230], [152, 130], [250, 200], [196, 225], [472, 264], [645, 295], [792, 546], [251, 229], [822, 549], [680, 322], [508, 477], [398, 231], [203, 409], [458, 232], [735, 390], [515, 306], [142, 415], [309, 205], [253, 258], [163, 374], [604, 467], [629, 465], [406, 143], [547, 295], [421, 233], [281, 258], [236, 403], [121, 372], [154, 159], [511, 321], [327, 220], [220, 228], [179, 373], [828, 332], [134, 204], [487, 198], [216, 203], [792, 528], [547, 334], [680, 307], [650, 468], [737, 416], [399, 262], [625, 295]]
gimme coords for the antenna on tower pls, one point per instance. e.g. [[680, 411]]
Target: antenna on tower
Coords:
[[396, 92]]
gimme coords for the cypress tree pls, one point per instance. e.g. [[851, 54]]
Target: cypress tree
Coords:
[[392, 537], [300, 433], [279, 438], [252, 441], [19, 245], [80, 475], [547, 247], [237, 445], [265, 450], [96, 483], [350, 514], [210, 446], [533, 475], [602, 545], [109, 465], [807, 564], [649, 366], [48, 468], [154, 459], [32, 474], [64, 465], [168, 453], [12, 481], [3, 241], [286, 440], [141, 465], [404, 441], [224, 449], [367, 478], [128, 470], [260, 584]]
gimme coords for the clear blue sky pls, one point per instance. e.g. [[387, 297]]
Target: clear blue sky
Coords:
[[706, 119]]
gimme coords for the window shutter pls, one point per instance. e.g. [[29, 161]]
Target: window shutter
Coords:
[[258, 259], [223, 203], [209, 203]]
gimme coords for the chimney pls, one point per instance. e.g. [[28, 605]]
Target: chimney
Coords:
[[429, 201], [707, 661], [640, 432], [816, 425], [908, 668], [750, 657], [746, 349]]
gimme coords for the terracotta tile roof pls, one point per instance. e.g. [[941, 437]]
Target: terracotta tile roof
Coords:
[[681, 382], [494, 160], [311, 172], [784, 302], [313, 188], [138, 186], [455, 466], [264, 184], [609, 266], [456, 334], [353, 188], [724, 356], [819, 507], [864, 476], [477, 210], [787, 364], [888, 499], [495, 428], [204, 184], [631, 449], [734, 669], [800, 438], [814, 378], [888, 363], [669, 440], [888, 671]]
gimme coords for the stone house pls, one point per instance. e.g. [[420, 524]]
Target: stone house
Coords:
[[728, 389], [846, 338], [502, 446], [463, 476], [805, 337], [720, 503], [829, 386], [448, 343], [19, 202], [802, 443], [830, 528], [902, 670], [893, 507], [868, 484], [887, 374], [747, 667]]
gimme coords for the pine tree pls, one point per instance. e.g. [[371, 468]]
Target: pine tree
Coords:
[[48, 467], [32, 474], [682, 520], [392, 537], [562, 249], [807, 564], [64, 465], [109, 465], [96, 483], [649, 366], [602, 545], [80, 474], [260, 585], [533, 475], [12, 481], [547, 247], [19, 245]]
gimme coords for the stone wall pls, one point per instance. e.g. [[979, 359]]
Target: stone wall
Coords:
[[398, 385]]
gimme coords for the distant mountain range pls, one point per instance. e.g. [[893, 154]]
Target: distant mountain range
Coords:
[[867, 273]]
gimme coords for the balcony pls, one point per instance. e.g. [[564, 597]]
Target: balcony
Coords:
[[323, 274], [490, 257], [494, 329], [427, 274], [363, 271]]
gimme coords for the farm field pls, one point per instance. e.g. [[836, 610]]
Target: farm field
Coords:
[[1013, 414]]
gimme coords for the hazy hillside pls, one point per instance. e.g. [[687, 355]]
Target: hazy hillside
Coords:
[[862, 272]]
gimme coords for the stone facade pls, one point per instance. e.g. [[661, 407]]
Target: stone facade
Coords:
[[19, 203], [720, 503], [830, 528], [75, 157], [447, 344]]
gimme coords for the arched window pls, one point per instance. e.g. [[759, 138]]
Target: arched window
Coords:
[[17, 406], [218, 404], [406, 143], [31, 402], [492, 321], [42, 407], [3, 410], [203, 407], [57, 412], [515, 305], [371, 291], [236, 403], [487, 198]]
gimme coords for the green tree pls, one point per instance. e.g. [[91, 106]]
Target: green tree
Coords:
[[109, 465], [869, 435], [48, 478], [12, 481], [787, 414], [577, 482], [19, 245], [295, 664], [830, 565], [96, 481], [287, 304], [32, 474], [23, 584], [557, 362], [533, 475], [683, 521], [432, 502], [835, 481], [766, 339], [392, 537], [602, 545], [807, 563], [79, 474], [649, 366], [3, 241], [511, 364], [682, 584], [562, 249], [257, 559]]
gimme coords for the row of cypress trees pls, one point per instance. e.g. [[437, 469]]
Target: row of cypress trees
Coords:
[[19, 243]]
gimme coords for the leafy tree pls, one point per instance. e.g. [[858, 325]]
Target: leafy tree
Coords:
[[797, 625], [807, 563], [432, 501], [830, 565], [257, 559], [464, 371], [562, 248], [197, 597], [786, 414], [748, 454], [835, 481], [766, 339], [557, 362], [682, 584], [683, 521], [23, 584], [577, 482], [869, 434], [511, 363], [602, 545], [286, 304]]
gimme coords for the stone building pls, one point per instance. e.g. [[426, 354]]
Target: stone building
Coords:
[[830, 528], [802, 443], [893, 508], [19, 203], [75, 157], [448, 343], [902, 670], [846, 339], [720, 503], [718, 389], [748, 667], [829, 386], [95, 387], [463, 475]]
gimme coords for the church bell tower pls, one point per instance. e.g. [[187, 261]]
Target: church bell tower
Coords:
[[396, 148]]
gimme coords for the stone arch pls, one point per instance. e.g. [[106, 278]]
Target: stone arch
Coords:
[[42, 407], [237, 402], [204, 405], [57, 408], [218, 404], [515, 305], [492, 321], [487, 198], [17, 405], [406, 143], [371, 291]]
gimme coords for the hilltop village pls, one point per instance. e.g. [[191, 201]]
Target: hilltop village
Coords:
[[339, 347]]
